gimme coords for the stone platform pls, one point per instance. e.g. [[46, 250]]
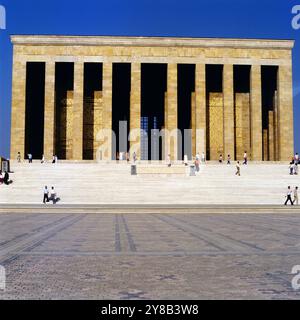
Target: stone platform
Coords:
[[110, 184], [149, 256]]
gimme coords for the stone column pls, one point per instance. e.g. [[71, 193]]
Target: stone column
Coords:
[[107, 109], [265, 145], [271, 136], [18, 108], [98, 120], [256, 113], [171, 123], [49, 117], [78, 111], [285, 113], [193, 123], [228, 110], [135, 109], [200, 91], [276, 153]]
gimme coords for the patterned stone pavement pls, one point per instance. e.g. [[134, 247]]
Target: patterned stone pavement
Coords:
[[149, 256]]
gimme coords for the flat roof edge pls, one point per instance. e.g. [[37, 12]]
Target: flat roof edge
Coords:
[[150, 41]]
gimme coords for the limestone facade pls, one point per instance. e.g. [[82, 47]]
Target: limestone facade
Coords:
[[225, 122]]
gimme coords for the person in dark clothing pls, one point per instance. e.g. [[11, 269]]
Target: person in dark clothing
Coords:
[[289, 196], [46, 195]]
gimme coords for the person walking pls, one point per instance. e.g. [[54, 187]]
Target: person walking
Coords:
[[228, 159], [296, 196], [46, 195], [29, 157], [186, 160], [169, 161], [197, 165], [289, 196], [238, 169], [134, 157], [245, 158], [53, 195], [221, 159]]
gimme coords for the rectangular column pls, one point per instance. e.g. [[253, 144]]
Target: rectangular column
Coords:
[[200, 91], [98, 120], [18, 108], [239, 126], [69, 118], [276, 152], [107, 109], [215, 127], [285, 113], [171, 123], [271, 136], [193, 123], [49, 122], [78, 111], [228, 110], [265, 145], [256, 113], [135, 109]]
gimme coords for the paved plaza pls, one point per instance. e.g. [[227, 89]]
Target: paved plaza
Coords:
[[149, 256]]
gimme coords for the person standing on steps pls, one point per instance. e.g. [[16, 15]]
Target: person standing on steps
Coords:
[[238, 169], [229, 159], [29, 157], [245, 158], [289, 196], [46, 195], [296, 158], [203, 158], [19, 157], [169, 163]]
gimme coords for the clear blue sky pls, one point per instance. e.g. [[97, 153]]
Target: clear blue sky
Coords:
[[192, 18]]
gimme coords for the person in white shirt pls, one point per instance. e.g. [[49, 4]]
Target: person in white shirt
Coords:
[[169, 160], [53, 195], [297, 158], [245, 158], [43, 159], [296, 196], [203, 157], [186, 161], [238, 169], [289, 196], [46, 195]]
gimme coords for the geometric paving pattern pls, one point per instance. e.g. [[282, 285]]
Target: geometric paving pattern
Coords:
[[149, 256]]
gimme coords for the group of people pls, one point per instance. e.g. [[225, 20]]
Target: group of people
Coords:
[[291, 194], [4, 178], [52, 197], [30, 158], [245, 162]]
